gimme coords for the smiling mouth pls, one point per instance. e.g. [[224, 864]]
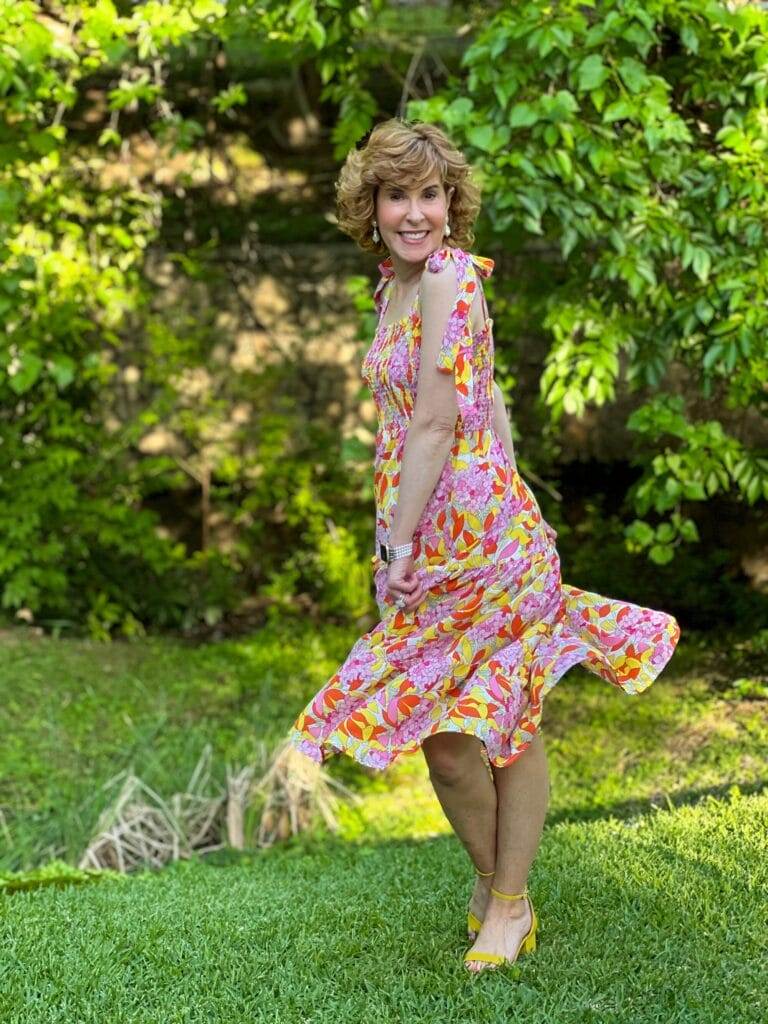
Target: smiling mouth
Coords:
[[413, 236]]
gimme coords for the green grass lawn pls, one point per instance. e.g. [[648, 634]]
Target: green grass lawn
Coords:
[[650, 882], [75, 713], [656, 918]]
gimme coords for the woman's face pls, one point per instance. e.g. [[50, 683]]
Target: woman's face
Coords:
[[412, 220]]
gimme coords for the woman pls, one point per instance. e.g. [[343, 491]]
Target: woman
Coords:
[[476, 623]]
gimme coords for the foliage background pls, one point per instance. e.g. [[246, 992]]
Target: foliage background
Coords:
[[184, 441]]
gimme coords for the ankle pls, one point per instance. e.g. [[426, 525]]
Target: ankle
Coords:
[[509, 908], [510, 892], [485, 875], [483, 885]]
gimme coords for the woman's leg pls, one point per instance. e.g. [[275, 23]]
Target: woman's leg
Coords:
[[466, 792], [523, 796]]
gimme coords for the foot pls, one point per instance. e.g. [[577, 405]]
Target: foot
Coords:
[[505, 924], [479, 899]]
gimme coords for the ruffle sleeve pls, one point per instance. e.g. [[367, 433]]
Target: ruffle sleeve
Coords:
[[387, 271], [455, 354]]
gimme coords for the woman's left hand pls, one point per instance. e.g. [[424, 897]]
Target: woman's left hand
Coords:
[[402, 581]]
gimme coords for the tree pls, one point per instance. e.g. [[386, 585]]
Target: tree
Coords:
[[632, 135], [75, 540]]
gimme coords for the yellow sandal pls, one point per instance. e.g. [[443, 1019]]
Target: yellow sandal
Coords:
[[527, 943], [474, 923]]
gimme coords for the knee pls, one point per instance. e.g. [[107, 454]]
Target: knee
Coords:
[[447, 759]]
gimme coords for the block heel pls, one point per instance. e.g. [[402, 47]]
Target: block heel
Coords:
[[527, 943]]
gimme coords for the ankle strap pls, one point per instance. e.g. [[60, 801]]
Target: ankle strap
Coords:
[[509, 895], [484, 874]]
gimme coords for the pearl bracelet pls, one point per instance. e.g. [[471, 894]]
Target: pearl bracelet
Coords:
[[389, 552]]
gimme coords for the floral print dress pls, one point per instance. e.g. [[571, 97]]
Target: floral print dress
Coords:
[[497, 627]]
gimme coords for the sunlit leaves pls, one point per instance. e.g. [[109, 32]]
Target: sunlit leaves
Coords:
[[660, 542], [233, 96], [708, 460], [74, 239], [583, 364], [638, 157]]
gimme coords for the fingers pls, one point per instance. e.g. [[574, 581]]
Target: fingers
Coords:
[[414, 595], [405, 586]]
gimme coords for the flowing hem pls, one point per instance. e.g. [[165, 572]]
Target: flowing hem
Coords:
[[558, 654]]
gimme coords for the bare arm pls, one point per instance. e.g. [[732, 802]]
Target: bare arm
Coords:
[[501, 424], [431, 430], [424, 455]]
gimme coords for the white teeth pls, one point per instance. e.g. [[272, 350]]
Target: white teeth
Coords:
[[413, 236]]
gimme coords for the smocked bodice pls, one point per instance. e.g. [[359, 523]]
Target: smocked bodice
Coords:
[[391, 365]]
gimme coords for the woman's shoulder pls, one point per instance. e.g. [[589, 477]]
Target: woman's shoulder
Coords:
[[435, 262], [386, 271], [438, 259]]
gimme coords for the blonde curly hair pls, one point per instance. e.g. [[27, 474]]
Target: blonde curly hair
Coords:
[[405, 153]]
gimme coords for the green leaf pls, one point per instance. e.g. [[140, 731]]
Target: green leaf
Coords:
[[566, 166], [459, 110], [688, 530], [598, 99], [568, 240], [481, 136], [754, 487], [504, 91], [694, 491], [202, 9], [665, 532], [591, 73], [617, 241], [640, 532], [316, 33], [702, 264], [689, 39], [619, 110], [661, 554], [42, 142], [704, 310], [551, 134], [522, 115], [62, 370], [633, 74], [573, 403], [27, 373]]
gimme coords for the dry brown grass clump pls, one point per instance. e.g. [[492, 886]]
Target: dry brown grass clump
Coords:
[[140, 829], [294, 790]]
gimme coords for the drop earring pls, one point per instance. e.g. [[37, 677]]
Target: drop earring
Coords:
[[375, 235], [447, 229]]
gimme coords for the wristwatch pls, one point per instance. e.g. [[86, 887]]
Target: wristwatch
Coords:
[[389, 553]]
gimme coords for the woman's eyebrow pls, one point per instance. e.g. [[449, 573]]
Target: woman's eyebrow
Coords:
[[399, 188]]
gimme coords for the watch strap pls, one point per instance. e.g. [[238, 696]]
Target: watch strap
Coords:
[[391, 552]]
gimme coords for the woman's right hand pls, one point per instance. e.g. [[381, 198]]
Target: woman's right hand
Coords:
[[403, 581]]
